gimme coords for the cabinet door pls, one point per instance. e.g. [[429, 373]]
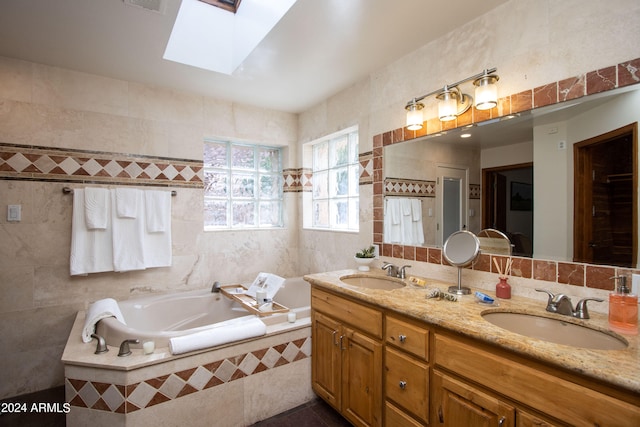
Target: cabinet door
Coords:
[[362, 379], [525, 419], [325, 360], [458, 404]]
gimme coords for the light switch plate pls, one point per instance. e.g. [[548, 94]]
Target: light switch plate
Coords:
[[635, 284], [14, 213]]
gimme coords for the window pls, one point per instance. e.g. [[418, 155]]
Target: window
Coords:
[[334, 197], [242, 186]]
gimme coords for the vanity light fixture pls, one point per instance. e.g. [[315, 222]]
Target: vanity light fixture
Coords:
[[414, 115], [452, 101]]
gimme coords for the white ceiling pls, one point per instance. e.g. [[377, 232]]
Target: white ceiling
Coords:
[[319, 47]]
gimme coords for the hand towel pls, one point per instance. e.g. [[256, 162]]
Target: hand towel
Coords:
[[220, 334], [392, 217], [127, 202], [100, 309], [157, 208], [128, 235], [91, 250], [416, 210], [96, 205]]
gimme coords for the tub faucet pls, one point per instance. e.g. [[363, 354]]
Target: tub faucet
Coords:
[[216, 287], [102, 345], [561, 304], [124, 347]]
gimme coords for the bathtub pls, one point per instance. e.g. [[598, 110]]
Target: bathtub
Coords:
[[162, 317], [253, 376]]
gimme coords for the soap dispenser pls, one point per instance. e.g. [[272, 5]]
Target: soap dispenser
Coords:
[[623, 308]]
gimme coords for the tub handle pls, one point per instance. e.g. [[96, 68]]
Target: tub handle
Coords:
[[101, 347], [124, 347]]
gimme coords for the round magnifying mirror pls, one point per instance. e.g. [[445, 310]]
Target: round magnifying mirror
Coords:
[[460, 250]]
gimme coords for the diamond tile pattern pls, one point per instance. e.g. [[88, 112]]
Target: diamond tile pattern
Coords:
[[399, 187], [50, 164], [154, 391]]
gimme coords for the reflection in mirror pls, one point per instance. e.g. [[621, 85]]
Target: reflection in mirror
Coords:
[[542, 137], [494, 242]]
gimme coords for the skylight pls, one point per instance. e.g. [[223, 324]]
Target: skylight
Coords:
[[214, 39]]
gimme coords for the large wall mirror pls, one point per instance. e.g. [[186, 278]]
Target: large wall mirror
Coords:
[[540, 175]]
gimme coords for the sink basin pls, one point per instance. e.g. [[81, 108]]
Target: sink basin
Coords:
[[373, 282], [555, 330]]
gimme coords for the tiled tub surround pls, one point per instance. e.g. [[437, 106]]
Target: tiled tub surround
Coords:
[[619, 369], [557, 272], [232, 385]]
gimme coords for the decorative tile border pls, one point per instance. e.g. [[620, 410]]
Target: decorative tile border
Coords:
[[66, 165], [366, 168], [129, 398], [409, 187], [296, 180], [578, 274]]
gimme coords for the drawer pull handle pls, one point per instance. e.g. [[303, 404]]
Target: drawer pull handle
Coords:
[[341, 347], [501, 422], [403, 385], [402, 338], [334, 338]]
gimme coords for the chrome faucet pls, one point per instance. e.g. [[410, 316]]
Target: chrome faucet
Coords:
[[392, 269], [395, 271], [101, 346], [124, 347], [561, 304]]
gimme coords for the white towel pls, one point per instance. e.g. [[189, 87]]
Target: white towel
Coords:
[[240, 329], [416, 210], [157, 208], [97, 207], [100, 309], [128, 202], [91, 250], [392, 221], [128, 235]]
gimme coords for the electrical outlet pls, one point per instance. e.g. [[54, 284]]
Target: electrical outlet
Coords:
[[562, 145]]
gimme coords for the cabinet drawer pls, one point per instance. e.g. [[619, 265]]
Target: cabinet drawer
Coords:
[[407, 382], [364, 318], [545, 392], [395, 417], [408, 336]]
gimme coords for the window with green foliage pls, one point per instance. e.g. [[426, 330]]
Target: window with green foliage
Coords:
[[335, 198], [242, 186]]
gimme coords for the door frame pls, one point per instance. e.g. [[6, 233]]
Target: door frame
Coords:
[[488, 191], [582, 190]]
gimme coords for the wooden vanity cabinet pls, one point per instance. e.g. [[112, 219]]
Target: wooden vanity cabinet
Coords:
[[477, 384], [406, 372], [347, 357]]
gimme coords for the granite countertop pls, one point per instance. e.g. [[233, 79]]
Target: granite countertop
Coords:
[[617, 367]]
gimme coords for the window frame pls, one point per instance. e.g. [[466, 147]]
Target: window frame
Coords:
[[332, 198], [230, 171]]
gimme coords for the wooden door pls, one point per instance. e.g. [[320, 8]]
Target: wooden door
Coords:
[[325, 360], [605, 198], [362, 379], [458, 404]]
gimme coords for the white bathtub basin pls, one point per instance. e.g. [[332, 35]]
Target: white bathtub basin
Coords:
[[555, 330]]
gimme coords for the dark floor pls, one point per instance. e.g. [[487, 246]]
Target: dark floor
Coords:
[[316, 413], [313, 414]]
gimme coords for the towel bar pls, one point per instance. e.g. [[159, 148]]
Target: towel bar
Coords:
[[68, 190]]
